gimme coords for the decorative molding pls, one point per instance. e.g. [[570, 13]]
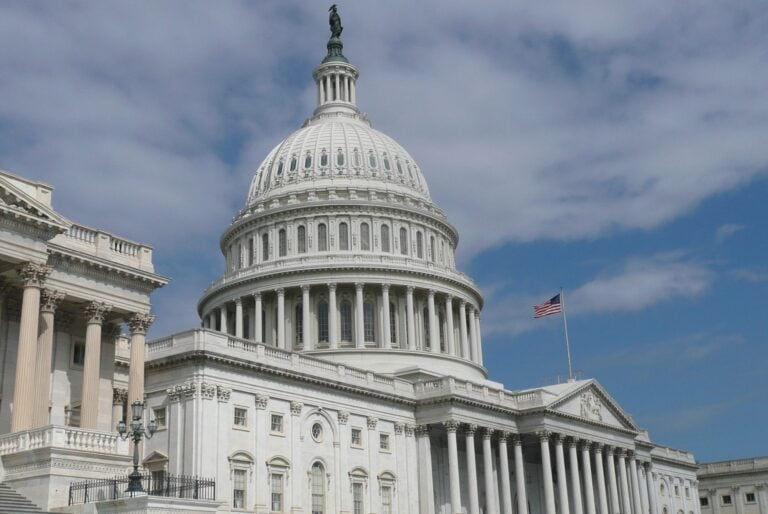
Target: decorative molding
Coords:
[[261, 401], [62, 259], [422, 430], [409, 430], [451, 426], [119, 396], [488, 432], [470, 429], [372, 422], [296, 407], [95, 312], [517, 440], [343, 416], [207, 391], [223, 393], [543, 435], [399, 428], [50, 299], [33, 275], [140, 322]]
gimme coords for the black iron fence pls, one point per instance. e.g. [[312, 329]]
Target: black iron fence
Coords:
[[154, 484]]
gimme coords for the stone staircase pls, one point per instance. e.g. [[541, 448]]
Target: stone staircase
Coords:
[[12, 502]]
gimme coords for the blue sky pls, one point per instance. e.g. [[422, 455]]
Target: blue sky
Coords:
[[614, 149]]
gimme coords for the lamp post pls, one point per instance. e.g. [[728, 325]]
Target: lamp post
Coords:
[[136, 433]]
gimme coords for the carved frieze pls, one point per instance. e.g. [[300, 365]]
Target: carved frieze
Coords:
[[261, 401], [207, 391], [50, 299], [34, 275], [140, 322], [343, 417], [223, 393], [296, 408], [591, 406]]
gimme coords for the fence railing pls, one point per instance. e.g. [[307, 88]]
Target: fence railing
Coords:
[[154, 484]]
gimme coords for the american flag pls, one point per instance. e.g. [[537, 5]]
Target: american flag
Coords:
[[551, 306]]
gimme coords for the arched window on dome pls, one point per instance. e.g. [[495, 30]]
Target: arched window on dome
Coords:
[[340, 157], [399, 166], [294, 164], [386, 163], [441, 325], [403, 241], [419, 245], [299, 323], [365, 236], [280, 168], [282, 243], [322, 237], [392, 323], [322, 322], [317, 474], [410, 171], [343, 236], [369, 325], [301, 239], [356, 158], [385, 238], [323, 159], [265, 247], [432, 248], [371, 159], [442, 251], [345, 315], [308, 161], [425, 327]]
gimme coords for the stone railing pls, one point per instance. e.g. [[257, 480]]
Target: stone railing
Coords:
[[467, 389], [735, 465], [107, 246], [61, 437]]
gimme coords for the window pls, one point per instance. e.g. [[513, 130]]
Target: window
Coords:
[[386, 499], [317, 432], [392, 324], [294, 163], [368, 322], [357, 498], [399, 166], [357, 438], [384, 442], [322, 322], [276, 480], [78, 353], [386, 163], [159, 414], [239, 484], [299, 317], [687, 492], [356, 158], [318, 488], [241, 417], [749, 497], [403, 241], [301, 239], [385, 238], [323, 159], [432, 248], [276, 424], [282, 243], [322, 238], [280, 168], [365, 236], [265, 247], [251, 251], [345, 313], [727, 500], [662, 489], [441, 327], [704, 502], [340, 158], [419, 245], [372, 160], [677, 490], [308, 160], [343, 236], [425, 324]]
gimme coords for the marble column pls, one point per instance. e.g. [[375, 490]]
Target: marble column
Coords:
[[32, 277], [636, 501], [385, 325], [95, 313], [305, 342], [546, 471], [434, 335], [626, 506], [651, 488], [450, 342], [472, 335], [506, 488], [49, 301], [490, 486], [119, 400], [359, 320], [426, 487], [609, 452], [474, 501], [600, 477], [257, 318], [522, 497], [463, 330], [223, 318], [212, 320], [478, 338], [737, 497], [573, 459], [762, 497], [589, 490], [453, 466], [239, 317], [411, 320], [562, 481], [280, 318], [139, 323], [333, 330]]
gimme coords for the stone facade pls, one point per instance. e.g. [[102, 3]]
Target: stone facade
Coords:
[[734, 486]]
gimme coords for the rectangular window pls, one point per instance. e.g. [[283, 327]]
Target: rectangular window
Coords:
[[386, 500], [677, 490], [357, 438], [241, 417], [276, 424], [357, 498], [749, 497], [384, 442], [159, 414], [687, 492], [157, 485], [239, 484], [704, 502], [277, 492], [78, 353], [727, 499]]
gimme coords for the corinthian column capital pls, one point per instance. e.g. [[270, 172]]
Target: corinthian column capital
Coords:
[[50, 299], [95, 312], [140, 322], [34, 275]]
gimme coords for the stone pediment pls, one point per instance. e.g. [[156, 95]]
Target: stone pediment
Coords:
[[16, 203], [593, 404]]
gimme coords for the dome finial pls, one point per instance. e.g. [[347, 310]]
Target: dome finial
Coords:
[[335, 45]]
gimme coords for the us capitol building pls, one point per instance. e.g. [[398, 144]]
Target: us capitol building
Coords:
[[338, 367]]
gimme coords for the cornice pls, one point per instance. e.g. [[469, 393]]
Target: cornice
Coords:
[[29, 225], [574, 417]]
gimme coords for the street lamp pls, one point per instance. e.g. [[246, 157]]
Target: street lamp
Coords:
[[136, 433]]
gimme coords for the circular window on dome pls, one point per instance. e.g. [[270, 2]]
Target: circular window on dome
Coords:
[[317, 432]]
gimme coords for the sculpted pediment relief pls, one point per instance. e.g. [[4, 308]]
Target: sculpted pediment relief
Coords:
[[15, 201], [591, 404]]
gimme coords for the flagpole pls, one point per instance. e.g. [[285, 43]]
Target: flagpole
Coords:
[[567, 343]]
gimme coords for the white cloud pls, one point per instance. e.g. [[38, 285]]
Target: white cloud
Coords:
[[726, 230], [749, 275]]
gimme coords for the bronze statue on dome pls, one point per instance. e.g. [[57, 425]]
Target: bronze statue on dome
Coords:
[[334, 20]]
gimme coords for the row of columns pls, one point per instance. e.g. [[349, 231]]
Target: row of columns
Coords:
[[468, 344], [32, 382], [342, 85]]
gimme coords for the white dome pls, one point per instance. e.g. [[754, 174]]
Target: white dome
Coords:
[[336, 151]]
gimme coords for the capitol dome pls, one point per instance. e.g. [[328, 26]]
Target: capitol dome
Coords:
[[340, 252]]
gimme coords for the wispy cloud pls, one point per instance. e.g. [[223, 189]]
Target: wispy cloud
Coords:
[[749, 275], [686, 418], [725, 231]]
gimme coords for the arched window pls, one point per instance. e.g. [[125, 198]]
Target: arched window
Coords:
[[356, 158], [385, 238], [299, 319], [441, 325], [265, 247], [301, 236], [294, 163], [432, 248], [280, 168], [392, 323], [322, 322], [399, 167], [323, 159], [345, 313], [322, 238], [425, 326], [386, 163], [365, 236], [419, 245], [282, 243], [403, 241], [410, 171], [369, 328], [371, 159], [343, 236], [318, 488], [340, 158], [308, 160]]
